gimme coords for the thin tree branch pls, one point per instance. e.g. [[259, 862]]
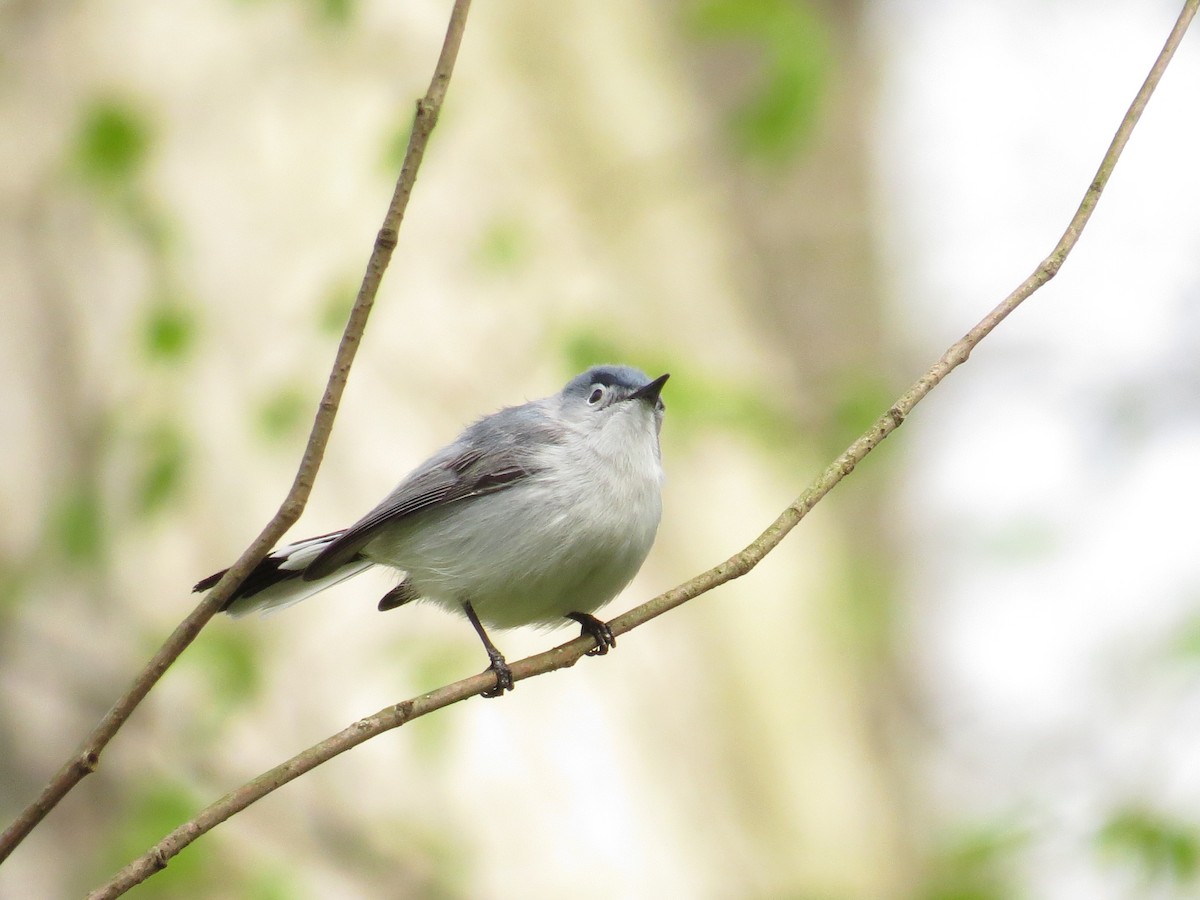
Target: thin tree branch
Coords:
[[87, 757], [739, 564]]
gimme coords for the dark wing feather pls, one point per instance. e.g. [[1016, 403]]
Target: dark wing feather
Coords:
[[493, 454]]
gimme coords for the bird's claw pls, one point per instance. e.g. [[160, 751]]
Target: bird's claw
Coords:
[[597, 630], [504, 678]]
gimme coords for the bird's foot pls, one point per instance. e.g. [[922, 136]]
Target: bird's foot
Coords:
[[595, 629], [504, 678]]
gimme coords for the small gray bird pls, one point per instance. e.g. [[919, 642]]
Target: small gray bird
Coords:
[[535, 513]]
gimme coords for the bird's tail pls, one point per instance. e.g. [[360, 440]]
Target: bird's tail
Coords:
[[276, 581]]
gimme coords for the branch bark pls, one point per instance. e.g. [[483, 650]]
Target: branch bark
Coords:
[[566, 655], [85, 760]]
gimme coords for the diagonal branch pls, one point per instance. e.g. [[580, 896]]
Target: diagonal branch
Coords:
[[739, 564], [85, 760]]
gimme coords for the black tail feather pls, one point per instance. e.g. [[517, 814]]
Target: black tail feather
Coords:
[[267, 573]]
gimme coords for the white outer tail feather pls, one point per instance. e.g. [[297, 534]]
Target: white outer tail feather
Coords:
[[295, 558]]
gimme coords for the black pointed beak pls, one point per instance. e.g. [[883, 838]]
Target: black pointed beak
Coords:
[[650, 392]]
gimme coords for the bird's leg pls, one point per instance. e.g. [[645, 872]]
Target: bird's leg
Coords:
[[504, 679], [597, 630]]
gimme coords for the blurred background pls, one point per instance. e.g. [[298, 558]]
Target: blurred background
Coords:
[[973, 672]]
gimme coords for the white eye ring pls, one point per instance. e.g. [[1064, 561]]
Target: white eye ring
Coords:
[[596, 395]]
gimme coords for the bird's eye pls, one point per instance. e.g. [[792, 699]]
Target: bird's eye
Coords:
[[596, 395]]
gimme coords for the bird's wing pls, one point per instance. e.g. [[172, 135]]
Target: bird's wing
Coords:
[[493, 454]]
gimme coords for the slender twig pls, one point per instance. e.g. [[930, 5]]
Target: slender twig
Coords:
[[87, 757], [737, 565]]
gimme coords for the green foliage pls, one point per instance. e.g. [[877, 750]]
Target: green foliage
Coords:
[[742, 408], [77, 524], [336, 12], [334, 310], [432, 662], [164, 457], [152, 225], [272, 883], [581, 349], [15, 578], [283, 413], [229, 659], [973, 865], [868, 594], [1185, 643], [397, 146], [158, 809], [112, 143], [424, 664], [793, 44], [862, 398], [168, 331], [330, 12], [1162, 847], [502, 247]]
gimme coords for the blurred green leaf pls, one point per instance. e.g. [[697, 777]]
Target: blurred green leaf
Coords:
[[283, 413], [15, 578], [112, 142], [230, 659], [329, 12], [1185, 643], [868, 591], [155, 811], [862, 398], [169, 330], [793, 44], [273, 883], [425, 664], [739, 407], [151, 223], [776, 122], [974, 864], [334, 310], [77, 524], [434, 661], [397, 146], [1162, 847], [583, 349], [337, 12], [164, 462], [502, 247]]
